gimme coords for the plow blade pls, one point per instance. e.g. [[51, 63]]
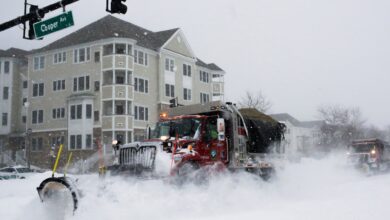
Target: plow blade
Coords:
[[59, 190]]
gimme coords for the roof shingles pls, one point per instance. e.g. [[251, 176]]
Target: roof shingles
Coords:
[[110, 26]]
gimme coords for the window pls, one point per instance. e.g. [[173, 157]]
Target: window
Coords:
[[81, 55], [96, 116], [204, 98], [76, 142], [79, 142], [88, 141], [57, 141], [97, 86], [141, 113], [169, 90], [141, 85], [97, 57], [37, 116], [186, 94], [89, 111], [6, 66], [120, 76], [5, 92], [4, 119], [120, 107], [24, 101], [59, 58], [25, 84], [38, 89], [24, 119], [58, 113], [187, 70], [39, 63], [79, 111], [169, 64], [120, 48], [58, 85], [204, 76], [0, 72], [81, 83], [36, 144], [76, 112], [140, 57], [73, 142]]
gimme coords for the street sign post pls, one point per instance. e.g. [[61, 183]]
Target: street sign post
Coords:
[[53, 24]]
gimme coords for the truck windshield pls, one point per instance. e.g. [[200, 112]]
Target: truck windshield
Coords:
[[188, 128], [362, 148]]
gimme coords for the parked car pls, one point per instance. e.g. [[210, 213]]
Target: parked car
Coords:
[[15, 172]]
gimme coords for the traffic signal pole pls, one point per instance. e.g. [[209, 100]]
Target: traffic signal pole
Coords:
[[32, 15]]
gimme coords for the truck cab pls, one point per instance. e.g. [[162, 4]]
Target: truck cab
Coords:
[[369, 154], [214, 134]]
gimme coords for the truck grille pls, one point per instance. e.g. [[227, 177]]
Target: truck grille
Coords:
[[142, 157]]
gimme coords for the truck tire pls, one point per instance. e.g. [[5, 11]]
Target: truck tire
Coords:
[[187, 169]]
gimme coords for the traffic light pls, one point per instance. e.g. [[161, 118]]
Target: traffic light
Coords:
[[38, 15], [118, 7]]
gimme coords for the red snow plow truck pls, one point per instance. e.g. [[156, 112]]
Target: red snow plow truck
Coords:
[[214, 134]]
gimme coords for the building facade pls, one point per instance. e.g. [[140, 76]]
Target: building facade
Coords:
[[109, 80], [13, 90], [302, 138]]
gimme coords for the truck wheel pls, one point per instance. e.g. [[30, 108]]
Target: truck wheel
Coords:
[[266, 174], [187, 169]]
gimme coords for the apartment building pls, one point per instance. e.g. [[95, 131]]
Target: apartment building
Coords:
[[110, 80], [13, 94]]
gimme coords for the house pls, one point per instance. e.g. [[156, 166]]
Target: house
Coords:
[[301, 137]]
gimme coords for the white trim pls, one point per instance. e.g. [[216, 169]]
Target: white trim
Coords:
[[183, 39], [172, 53]]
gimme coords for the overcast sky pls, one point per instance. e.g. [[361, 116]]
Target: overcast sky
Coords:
[[300, 53]]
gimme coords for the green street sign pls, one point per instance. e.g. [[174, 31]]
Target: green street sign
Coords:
[[53, 24]]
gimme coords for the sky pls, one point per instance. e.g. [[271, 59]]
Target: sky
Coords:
[[301, 54]]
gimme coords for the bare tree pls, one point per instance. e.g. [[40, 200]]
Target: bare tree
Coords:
[[255, 100], [341, 126], [375, 132]]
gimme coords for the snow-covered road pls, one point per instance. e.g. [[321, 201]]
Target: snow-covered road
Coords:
[[311, 189]]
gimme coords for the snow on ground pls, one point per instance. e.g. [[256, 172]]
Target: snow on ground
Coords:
[[310, 189]]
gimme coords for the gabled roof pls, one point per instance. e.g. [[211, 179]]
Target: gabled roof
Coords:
[[210, 66], [295, 122], [108, 27], [286, 117], [13, 52]]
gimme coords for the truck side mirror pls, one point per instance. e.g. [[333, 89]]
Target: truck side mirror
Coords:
[[221, 129]]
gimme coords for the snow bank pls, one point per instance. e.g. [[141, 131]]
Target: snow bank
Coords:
[[311, 189]]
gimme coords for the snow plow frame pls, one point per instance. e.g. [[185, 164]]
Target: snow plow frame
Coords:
[[63, 181]]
